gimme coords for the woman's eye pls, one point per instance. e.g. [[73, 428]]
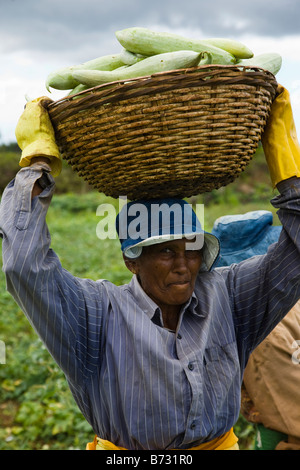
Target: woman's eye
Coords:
[[166, 250], [192, 254]]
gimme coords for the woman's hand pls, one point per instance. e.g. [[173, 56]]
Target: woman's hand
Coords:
[[37, 188], [35, 135], [279, 140]]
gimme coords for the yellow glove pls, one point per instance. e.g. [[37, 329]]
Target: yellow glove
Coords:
[[35, 135], [279, 140]]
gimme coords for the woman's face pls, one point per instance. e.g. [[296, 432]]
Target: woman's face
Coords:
[[167, 271]]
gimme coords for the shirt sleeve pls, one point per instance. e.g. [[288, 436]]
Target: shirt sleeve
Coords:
[[60, 307], [264, 288]]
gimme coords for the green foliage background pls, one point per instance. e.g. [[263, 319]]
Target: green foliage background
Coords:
[[37, 410]]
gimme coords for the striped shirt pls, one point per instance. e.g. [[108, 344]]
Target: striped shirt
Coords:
[[140, 385]]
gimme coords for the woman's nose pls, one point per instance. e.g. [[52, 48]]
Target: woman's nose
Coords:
[[180, 263]]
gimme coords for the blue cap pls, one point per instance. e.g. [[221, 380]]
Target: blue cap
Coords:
[[146, 222]]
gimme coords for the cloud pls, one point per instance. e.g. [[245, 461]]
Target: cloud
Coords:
[[40, 36], [288, 46], [55, 26]]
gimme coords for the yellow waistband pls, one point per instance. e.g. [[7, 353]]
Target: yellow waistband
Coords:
[[227, 441]]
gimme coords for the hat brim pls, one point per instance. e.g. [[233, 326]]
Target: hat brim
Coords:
[[209, 243]]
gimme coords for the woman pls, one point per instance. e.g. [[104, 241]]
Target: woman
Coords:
[[158, 363]]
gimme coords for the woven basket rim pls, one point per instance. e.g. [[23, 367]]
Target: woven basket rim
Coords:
[[119, 88]]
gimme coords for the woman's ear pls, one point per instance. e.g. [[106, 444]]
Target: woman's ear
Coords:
[[130, 264]]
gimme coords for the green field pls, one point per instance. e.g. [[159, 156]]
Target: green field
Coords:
[[37, 410]]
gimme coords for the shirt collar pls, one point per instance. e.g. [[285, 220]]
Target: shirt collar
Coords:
[[143, 300], [150, 307]]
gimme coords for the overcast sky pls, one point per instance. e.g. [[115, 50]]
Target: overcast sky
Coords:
[[39, 36]]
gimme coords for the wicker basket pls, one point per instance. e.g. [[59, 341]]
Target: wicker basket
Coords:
[[177, 133]]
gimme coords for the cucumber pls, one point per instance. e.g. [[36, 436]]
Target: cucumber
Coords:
[[206, 58], [62, 79], [147, 42], [77, 89], [129, 58], [269, 61], [150, 65], [236, 48]]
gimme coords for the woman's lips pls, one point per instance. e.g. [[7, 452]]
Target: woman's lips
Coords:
[[179, 283]]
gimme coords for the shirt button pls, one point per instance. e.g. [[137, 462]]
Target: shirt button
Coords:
[[193, 425], [191, 366], [179, 336]]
